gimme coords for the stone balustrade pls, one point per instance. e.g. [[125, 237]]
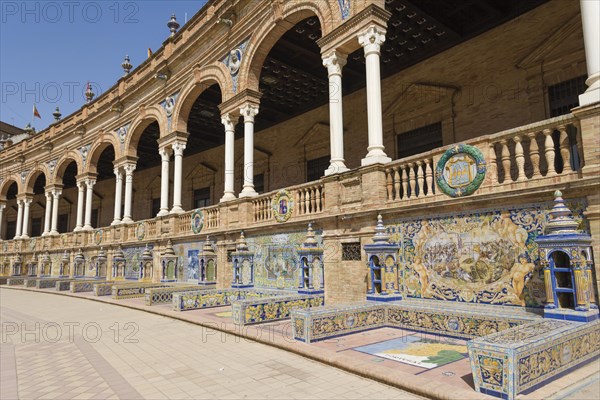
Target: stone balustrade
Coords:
[[262, 207]]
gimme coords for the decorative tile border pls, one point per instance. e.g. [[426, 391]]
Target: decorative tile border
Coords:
[[164, 295], [268, 309], [199, 299]]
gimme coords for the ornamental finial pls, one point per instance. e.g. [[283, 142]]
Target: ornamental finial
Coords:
[[561, 220]]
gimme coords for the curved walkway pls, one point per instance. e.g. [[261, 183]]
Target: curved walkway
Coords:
[[63, 348]]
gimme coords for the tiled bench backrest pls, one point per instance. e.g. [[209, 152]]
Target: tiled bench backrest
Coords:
[[252, 311]]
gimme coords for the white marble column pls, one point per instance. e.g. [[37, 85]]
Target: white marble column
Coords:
[[89, 196], [80, 205], [118, 196], [48, 213], [165, 156], [371, 40], [19, 219], [334, 62], [25, 230], [2, 207], [178, 148], [249, 111], [129, 168], [229, 193], [56, 194], [590, 15]]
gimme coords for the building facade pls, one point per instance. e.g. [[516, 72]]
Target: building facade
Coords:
[[264, 116]]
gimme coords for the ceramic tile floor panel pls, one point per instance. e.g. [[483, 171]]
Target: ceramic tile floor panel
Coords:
[[162, 359]]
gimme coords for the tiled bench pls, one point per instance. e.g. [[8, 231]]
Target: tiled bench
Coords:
[[15, 281], [131, 291], [165, 294], [309, 325], [519, 359], [198, 299], [48, 283], [253, 311], [86, 286]]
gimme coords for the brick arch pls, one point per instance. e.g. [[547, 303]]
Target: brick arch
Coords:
[[7, 182], [34, 174], [64, 162], [270, 32], [146, 117], [98, 146], [204, 78]]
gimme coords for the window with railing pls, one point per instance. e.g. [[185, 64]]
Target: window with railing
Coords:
[[419, 140], [565, 95], [316, 167], [202, 197]]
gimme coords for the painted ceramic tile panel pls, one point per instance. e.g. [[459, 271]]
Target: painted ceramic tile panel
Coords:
[[188, 260], [418, 351], [485, 257], [276, 259], [133, 258]]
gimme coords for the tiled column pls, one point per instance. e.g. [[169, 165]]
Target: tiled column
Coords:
[[27, 204], [249, 111], [178, 148], [334, 62], [118, 196], [19, 219], [80, 200], [129, 168], [229, 193], [165, 156], [590, 10], [48, 214], [371, 40], [56, 194], [89, 183]]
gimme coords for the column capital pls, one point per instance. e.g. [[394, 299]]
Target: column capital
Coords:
[[334, 61], [165, 153], [227, 121], [178, 147], [129, 168], [372, 39], [56, 193], [233, 105], [173, 136], [122, 161], [117, 172], [249, 111], [90, 182]]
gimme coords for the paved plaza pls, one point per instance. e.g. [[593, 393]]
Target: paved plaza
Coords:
[[56, 347]]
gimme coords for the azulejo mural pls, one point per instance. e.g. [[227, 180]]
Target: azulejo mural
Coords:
[[485, 257], [461, 170], [276, 259], [282, 206], [197, 221]]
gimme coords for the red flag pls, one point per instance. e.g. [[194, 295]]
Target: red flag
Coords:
[[36, 113]]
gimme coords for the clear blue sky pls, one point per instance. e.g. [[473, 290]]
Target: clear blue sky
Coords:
[[50, 49]]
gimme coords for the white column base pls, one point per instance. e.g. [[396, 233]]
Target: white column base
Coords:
[[177, 210], [336, 167], [24, 237], [127, 220], [162, 212], [248, 191], [17, 237], [592, 94], [54, 233], [87, 228], [77, 229], [375, 156], [228, 196], [116, 222], [45, 234]]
